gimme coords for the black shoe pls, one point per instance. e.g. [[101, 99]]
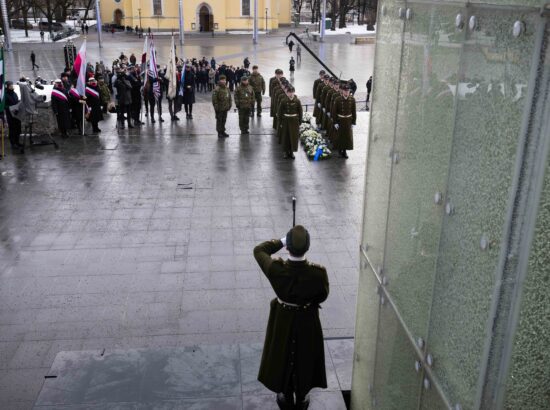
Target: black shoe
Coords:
[[96, 130], [284, 402], [221, 136], [176, 118], [226, 135], [161, 119], [130, 126], [292, 155], [153, 121], [302, 405], [259, 114], [190, 116], [173, 118]]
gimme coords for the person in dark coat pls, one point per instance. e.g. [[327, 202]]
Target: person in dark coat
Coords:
[[75, 104], [33, 60], [60, 107], [369, 88], [291, 45], [246, 63], [293, 359], [14, 124], [123, 87], [135, 107], [189, 91], [213, 63], [174, 104], [93, 102], [292, 66]]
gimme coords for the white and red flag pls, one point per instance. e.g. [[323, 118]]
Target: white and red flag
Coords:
[[80, 69]]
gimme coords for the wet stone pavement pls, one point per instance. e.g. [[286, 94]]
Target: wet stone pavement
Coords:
[[143, 238]]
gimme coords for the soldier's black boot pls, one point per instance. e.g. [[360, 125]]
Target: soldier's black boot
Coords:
[[285, 402], [302, 404]]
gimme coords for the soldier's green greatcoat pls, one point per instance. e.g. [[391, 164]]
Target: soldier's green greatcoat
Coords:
[[322, 96], [330, 120], [258, 84], [278, 95], [344, 113], [326, 104], [244, 101], [221, 100], [289, 117], [317, 83], [294, 338]]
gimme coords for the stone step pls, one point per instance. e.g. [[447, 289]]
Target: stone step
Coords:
[[194, 377]]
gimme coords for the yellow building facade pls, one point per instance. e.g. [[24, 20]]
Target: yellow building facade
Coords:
[[210, 15]]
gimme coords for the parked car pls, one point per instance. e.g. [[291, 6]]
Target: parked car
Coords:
[[20, 24], [55, 26]]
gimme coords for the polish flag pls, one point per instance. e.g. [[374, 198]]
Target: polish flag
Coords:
[[80, 68]]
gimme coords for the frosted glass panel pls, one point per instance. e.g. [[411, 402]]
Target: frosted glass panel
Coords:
[[431, 54], [384, 104], [365, 338], [492, 85]]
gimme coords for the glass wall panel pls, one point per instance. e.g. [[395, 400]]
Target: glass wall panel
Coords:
[[528, 385], [429, 66], [365, 338], [396, 382], [493, 80], [384, 104]]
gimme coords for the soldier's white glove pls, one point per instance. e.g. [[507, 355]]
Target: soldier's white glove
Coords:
[[319, 105], [352, 125], [328, 114], [337, 126], [283, 240], [324, 110]]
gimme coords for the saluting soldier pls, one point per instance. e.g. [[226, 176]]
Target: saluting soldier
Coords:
[[293, 360], [316, 84], [258, 84], [221, 100], [60, 106], [344, 114], [290, 115], [244, 101]]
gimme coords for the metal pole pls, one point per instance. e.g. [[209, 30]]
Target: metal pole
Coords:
[[293, 211], [255, 31], [7, 34], [139, 12], [98, 24], [323, 21], [182, 34]]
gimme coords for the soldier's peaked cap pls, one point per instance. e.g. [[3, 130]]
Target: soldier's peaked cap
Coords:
[[297, 240], [322, 72], [244, 78]]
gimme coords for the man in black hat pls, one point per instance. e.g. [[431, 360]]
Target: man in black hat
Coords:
[[293, 360]]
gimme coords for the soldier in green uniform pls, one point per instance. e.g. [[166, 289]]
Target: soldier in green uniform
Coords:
[[289, 115], [278, 93], [316, 84], [344, 114], [273, 83], [293, 360], [221, 100], [258, 84], [244, 101], [331, 98], [322, 96]]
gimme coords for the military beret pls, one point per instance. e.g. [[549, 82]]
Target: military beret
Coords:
[[297, 240]]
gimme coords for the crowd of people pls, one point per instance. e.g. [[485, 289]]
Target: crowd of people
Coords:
[[130, 90]]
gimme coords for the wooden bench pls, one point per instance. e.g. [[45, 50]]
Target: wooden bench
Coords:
[[365, 40]]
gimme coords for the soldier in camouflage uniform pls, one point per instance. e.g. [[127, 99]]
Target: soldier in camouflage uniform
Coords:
[[344, 115], [244, 101], [221, 100], [258, 84]]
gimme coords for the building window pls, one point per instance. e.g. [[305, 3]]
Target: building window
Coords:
[[157, 7], [245, 7]]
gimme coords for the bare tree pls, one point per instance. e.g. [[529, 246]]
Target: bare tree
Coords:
[[19, 8], [345, 7]]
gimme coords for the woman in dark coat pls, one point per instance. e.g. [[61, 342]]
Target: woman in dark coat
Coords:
[[189, 91], [14, 124], [93, 102]]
